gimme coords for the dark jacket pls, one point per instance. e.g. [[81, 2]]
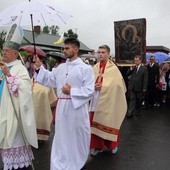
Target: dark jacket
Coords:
[[153, 75], [138, 80]]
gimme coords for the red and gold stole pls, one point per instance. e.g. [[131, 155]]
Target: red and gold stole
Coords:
[[101, 71]]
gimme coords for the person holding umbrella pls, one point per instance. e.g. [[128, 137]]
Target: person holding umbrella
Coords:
[[17, 122], [74, 81]]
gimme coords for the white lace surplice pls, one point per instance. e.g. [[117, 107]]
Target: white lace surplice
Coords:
[[18, 156]]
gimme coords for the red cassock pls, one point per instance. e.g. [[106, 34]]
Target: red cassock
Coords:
[[99, 143]]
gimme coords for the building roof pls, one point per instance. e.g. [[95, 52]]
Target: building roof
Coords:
[[46, 41], [157, 48]]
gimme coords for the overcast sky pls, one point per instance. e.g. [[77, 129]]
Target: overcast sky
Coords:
[[94, 19]]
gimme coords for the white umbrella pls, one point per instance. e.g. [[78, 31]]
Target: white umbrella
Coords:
[[32, 13], [29, 13], [42, 14]]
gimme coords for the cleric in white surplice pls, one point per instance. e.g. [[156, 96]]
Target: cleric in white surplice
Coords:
[[74, 81], [17, 119]]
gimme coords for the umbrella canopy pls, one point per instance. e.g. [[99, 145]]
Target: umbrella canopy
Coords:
[[32, 13], [42, 14], [56, 55], [159, 56], [88, 56], [30, 49]]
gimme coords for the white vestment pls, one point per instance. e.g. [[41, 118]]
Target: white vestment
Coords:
[[24, 107], [71, 142], [19, 125]]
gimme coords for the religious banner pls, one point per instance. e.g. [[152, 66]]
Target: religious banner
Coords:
[[130, 40]]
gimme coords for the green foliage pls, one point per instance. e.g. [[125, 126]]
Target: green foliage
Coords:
[[46, 29], [51, 62], [70, 34], [24, 53], [54, 29], [51, 30]]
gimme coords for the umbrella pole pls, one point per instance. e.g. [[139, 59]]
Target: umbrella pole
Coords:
[[33, 35]]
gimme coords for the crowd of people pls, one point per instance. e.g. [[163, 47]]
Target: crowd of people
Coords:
[[158, 83], [148, 85], [91, 103]]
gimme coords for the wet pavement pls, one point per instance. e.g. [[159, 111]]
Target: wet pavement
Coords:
[[144, 145]]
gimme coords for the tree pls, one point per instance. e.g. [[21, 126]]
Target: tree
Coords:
[[54, 29], [70, 34], [51, 30], [46, 29]]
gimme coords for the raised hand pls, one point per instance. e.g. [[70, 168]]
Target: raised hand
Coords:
[[98, 86], [4, 68]]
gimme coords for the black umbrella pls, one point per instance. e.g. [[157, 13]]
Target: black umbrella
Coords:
[[58, 58], [88, 56], [56, 55]]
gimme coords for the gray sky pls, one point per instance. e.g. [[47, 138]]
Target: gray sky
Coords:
[[94, 19]]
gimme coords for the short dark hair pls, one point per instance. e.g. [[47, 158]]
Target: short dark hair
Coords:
[[152, 56], [138, 56], [105, 47], [72, 41]]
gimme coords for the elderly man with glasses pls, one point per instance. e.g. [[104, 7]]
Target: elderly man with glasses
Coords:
[[17, 121]]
